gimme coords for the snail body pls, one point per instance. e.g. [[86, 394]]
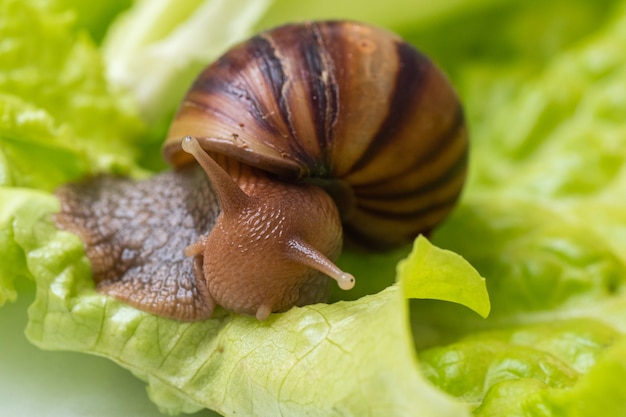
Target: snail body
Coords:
[[275, 256], [299, 129]]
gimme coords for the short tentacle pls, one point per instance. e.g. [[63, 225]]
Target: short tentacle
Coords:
[[301, 252]]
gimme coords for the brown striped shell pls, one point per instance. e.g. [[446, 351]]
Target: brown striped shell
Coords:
[[346, 105], [291, 130]]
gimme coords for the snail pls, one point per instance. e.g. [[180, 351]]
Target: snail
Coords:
[[303, 133]]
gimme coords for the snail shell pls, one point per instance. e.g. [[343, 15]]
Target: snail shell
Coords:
[[298, 129], [343, 104]]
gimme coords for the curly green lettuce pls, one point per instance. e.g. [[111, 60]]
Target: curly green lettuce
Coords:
[[542, 219], [81, 124], [545, 213], [236, 364], [157, 48], [53, 101]]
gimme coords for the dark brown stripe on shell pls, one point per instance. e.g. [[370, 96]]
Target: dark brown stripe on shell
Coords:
[[323, 87], [314, 68], [457, 168], [301, 50], [356, 236], [441, 144], [223, 80], [271, 68], [276, 78], [413, 215], [409, 82], [444, 141], [394, 237], [447, 172], [273, 71]]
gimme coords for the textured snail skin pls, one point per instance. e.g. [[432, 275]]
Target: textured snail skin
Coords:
[[272, 239], [299, 129], [135, 233]]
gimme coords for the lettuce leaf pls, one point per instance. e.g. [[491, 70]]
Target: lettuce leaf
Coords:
[[223, 363], [62, 384], [545, 213], [433, 273], [220, 363], [542, 219], [158, 47], [490, 70], [94, 17], [569, 242], [48, 135], [15, 269]]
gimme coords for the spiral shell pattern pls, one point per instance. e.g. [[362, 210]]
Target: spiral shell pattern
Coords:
[[345, 104]]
